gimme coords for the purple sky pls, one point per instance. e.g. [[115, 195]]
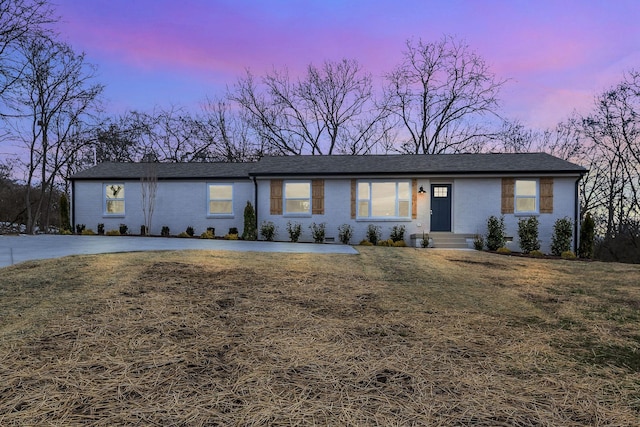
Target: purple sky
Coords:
[[557, 54]]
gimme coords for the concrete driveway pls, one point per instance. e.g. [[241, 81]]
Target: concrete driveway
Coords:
[[15, 249]]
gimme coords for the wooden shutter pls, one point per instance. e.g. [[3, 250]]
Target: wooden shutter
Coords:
[[317, 196], [414, 198], [354, 185], [546, 195], [276, 197], [508, 191]]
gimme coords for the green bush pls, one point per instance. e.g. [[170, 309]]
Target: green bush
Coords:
[[587, 237], [294, 229], [345, 233], [143, 230], [373, 233], [397, 233], [495, 233], [318, 232], [250, 231], [123, 229], [562, 234], [80, 228], [528, 234], [568, 255], [426, 240], [232, 230], [268, 230], [165, 231], [207, 235], [113, 232], [212, 230], [190, 231], [101, 228], [478, 242], [503, 250]]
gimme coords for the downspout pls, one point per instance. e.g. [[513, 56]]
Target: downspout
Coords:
[[576, 226], [73, 205], [255, 199]]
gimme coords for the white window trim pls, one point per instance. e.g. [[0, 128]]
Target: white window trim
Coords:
[[284, 199], [516, 197], [208, 207], [104, 200], [369, 217]]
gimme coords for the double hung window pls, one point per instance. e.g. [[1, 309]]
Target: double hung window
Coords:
[[297, 198], [220, 199], [526, 196], [114, 199], [384, 199]]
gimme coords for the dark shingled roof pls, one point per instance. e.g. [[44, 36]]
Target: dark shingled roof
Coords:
[[110, 170], [414, 164], [439, 164]]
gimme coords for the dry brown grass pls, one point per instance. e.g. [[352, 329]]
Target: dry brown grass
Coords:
[[394, 336]]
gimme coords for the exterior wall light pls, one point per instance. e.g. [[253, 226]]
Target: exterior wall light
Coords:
[[421, 190]]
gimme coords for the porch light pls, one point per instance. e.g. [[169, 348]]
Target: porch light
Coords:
[[421, 190]]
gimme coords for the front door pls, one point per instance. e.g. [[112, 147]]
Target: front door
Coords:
[[440, 207]]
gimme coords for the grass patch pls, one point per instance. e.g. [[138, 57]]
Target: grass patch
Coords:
[[394, 336]]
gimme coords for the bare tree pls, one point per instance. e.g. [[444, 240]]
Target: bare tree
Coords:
[[331, 110], [440, 93], [54, 97]]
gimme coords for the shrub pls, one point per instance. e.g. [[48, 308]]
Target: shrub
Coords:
[[345, 233], [207, 235], [503, 250], [562, 234], [568, 255], [365, 243], [587, 236], [249, 232], [400, 244], [88, 232], [143, 230], [231, 236], [165, 231], [528, 234], [113, 233], [65, 232], [373, 233], [495, 233], [184, 234], [425, 240], [294, 229], [268, 230], [387, 242], [317, 232], [478, 242], [397, 233], [233, 230], [65, 223], [536, 254], [212, 230], [80, 228], [190, 231], [101, 228], [123, 229]]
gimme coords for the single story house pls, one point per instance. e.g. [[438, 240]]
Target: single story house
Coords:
[[448, 196]]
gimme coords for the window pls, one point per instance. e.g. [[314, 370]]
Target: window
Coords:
[[220, 199], [526, 196], [114, 199], [297, 198], [391, 199]]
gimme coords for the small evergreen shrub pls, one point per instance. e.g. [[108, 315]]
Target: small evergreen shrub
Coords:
[[113, 233], [268, 230], [250, 232], [233, 230], [207, 235], [425, 240], [503, 250], [212, 230], [80, 228], [184, 234], [143, 230], [165, 232], [478, 242], [317, 232], [562, 234], [365, 243], [345, 233], [231, 236], [397, 233], [88, 232], [294, 229], [190, 231], [528, 234], [373, 234], [101, 228], [123, 229], [587, 237], [495, 233], [568, 255], [536, 254]]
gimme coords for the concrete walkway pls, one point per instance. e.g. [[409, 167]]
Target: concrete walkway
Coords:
[[15, 249]]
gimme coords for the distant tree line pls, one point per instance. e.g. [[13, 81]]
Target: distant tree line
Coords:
[[441, 98]]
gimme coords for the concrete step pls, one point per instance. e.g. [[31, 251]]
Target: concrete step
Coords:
[[450, 240]]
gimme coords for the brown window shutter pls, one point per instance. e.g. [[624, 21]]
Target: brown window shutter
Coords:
[[546, 195], [317, 197], [354, 184], [276, 197], [508, 190], [414, 198]]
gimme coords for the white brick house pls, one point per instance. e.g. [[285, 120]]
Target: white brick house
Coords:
[[448, 196]]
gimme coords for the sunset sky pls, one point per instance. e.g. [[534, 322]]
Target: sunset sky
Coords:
[[557, 54]]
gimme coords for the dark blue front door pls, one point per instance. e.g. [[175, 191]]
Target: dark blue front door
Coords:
[[440, 207]]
